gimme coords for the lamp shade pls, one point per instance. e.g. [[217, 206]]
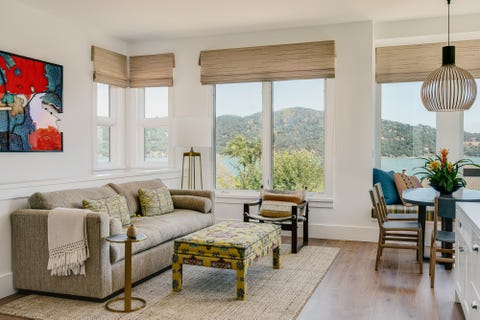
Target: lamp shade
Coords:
[[192, 132], [449, 88]]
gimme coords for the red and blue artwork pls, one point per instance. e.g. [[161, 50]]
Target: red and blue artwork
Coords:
[[31, 99]]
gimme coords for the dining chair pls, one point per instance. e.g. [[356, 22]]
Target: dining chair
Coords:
[[394, 234], [392, 216], [444, 208]]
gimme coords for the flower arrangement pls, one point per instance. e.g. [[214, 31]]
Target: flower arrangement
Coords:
[[442, 174]]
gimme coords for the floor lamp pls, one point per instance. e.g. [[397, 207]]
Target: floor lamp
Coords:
[[192, 132]]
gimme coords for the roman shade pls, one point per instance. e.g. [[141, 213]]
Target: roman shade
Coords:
[[305, 60], [416, 62], [152, 70], [109, 67]]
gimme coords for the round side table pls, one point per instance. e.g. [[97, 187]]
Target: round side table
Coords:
[[127, 297]]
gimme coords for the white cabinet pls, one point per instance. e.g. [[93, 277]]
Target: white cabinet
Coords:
[[467, 259]]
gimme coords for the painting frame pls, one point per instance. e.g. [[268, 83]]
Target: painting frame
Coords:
[[31, 101]]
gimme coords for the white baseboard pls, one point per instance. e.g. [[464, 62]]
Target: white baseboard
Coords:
[[6, 285], [339, 232]]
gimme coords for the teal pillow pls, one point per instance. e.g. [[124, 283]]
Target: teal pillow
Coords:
[[388, 185]]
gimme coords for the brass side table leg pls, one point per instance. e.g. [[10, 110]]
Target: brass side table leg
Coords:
[[127, 297], [128, 276]]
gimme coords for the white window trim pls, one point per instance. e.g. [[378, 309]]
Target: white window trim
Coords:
[[318, 199], [137, 127], [116, 122]]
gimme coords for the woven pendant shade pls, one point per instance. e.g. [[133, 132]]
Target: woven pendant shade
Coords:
[[449, 88]]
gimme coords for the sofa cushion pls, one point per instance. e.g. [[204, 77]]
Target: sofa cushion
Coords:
[[68, 198], [156, 201], [130, 191], [388, 185], [196, 203], [115, 206], [162, 228], [115, 226]]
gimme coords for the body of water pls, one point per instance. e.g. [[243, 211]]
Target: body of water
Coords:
[[409, 164]]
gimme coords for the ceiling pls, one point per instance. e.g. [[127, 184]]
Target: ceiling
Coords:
[[147, 19]]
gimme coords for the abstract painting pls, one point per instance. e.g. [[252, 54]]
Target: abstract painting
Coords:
[[31, 99]]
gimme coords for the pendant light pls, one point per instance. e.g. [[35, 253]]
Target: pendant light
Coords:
[[449, 88]]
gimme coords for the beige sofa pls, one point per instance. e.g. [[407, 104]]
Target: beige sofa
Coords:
[[105, 266]]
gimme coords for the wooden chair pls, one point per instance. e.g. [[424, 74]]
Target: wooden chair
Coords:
[[393, 234], [444, 209], [393, 216], [299, 217]]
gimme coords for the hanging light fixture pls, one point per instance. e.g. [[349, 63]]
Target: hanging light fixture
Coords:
[[449, 88]]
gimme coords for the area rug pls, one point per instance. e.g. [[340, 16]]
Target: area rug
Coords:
[[207, 293]]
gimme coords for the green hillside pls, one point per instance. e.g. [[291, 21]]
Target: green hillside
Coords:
[[300, 127]]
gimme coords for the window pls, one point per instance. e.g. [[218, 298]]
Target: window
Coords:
[[270, 134], [152, 126], [108, 137], [408, 130], [471, 143]]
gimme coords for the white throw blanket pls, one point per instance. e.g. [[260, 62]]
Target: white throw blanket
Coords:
[[67, 241]]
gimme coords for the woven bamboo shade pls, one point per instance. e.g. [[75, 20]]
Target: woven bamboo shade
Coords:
[[416, 62], [305, 60], [152, 70], [109, 67]]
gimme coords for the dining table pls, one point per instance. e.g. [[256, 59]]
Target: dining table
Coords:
[[424, 197]]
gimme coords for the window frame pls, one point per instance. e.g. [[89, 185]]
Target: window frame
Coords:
[[115, 122], [137, 128], [319, 199]]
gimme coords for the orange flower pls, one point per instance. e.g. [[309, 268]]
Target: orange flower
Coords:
[[444, 154]]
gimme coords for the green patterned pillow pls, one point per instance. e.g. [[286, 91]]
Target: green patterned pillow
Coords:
[[155, 202], [115, 206]]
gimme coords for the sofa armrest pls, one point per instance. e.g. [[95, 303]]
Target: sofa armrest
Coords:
[[30, 256], [199, 193]]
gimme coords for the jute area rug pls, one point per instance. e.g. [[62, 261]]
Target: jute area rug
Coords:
[[207, 293]]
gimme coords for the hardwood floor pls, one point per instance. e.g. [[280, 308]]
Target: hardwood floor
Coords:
[[352, 289]]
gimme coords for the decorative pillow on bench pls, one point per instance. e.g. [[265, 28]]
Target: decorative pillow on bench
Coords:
[[404, 182]]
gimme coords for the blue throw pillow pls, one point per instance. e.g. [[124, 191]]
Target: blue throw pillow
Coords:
[[388, 185]]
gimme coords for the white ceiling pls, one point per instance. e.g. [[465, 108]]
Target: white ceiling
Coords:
[[144, 19]]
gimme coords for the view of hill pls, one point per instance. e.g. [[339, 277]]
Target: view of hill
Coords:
[[295, 126], [299, 127]]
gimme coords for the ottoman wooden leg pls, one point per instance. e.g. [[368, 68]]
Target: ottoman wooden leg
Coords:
[[177, 273], [276, 258], [241, 284]]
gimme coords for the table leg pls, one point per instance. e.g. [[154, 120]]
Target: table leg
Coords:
[[276, 258], [448, 226], [128, 276], [177, 273], [242, 283], [422, 213]]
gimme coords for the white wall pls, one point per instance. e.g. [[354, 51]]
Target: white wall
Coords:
[[351, 117], [48, 37]]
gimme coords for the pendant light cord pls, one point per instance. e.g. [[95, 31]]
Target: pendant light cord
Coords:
[[448, 1]]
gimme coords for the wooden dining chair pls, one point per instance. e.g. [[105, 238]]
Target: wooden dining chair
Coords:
[[395, 234], [392, 216], [444, 209]]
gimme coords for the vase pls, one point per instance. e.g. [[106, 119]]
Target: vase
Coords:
[[132, 231], [443, 191]]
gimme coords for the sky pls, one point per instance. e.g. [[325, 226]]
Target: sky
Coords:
[[244, 99], [402, 102]]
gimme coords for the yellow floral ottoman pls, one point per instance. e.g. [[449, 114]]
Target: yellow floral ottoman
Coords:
[[227, 245]]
